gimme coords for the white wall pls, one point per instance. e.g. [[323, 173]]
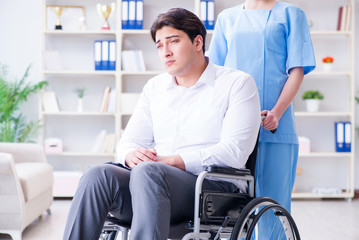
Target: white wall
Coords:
[[20, 45]]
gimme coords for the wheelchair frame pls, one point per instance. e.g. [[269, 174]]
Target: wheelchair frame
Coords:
[[246, 222]]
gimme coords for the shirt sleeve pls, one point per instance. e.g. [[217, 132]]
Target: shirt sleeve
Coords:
[[217, 51], [239, 131], [299, 43], [139, 130]]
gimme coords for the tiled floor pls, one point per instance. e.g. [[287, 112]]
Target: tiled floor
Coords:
[[316, 220]]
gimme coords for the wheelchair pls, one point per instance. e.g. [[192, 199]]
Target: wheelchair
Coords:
[[225, 215]]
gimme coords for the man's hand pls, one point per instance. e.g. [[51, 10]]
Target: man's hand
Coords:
[[175, 161], [140, 155]]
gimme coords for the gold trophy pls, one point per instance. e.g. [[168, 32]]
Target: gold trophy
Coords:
[[105, 12], [58, 11]]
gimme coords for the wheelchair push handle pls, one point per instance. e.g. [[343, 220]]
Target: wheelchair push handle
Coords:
[[273, 130]]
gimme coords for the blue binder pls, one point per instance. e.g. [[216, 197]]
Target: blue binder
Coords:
[[210, 14], [139, 14], [203, 12], [132, 14], [339, 136], [97, 55], [124, 12], [112, 55], [347, 136], [104, 54]]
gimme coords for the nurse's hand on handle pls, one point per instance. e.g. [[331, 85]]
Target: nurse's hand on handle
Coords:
[[270, 121], [140, 155]]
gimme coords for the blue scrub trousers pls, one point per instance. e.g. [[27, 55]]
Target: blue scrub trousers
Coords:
[[275, 171], [275, 174]]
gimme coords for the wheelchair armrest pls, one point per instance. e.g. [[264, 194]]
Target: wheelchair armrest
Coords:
[[227, 170]]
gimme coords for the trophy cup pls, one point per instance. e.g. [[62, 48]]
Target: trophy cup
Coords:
[[105, 12], [58, 11]]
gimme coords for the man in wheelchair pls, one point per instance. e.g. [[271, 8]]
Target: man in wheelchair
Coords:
[[195, 114]]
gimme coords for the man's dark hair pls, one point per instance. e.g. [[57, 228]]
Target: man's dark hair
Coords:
[[180, 19]]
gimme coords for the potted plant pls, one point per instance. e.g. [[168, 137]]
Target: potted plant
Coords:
[[80, 94], [327, 63], [312, 99], [13, 125]]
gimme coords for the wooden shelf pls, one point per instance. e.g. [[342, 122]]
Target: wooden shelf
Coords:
[[79, 114], [79, 33], [325, 154], [81, 154], [71, 72], [322, 114], [309, 195]]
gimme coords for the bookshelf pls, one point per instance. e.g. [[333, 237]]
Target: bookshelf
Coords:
[[323, 167], [76, 48]]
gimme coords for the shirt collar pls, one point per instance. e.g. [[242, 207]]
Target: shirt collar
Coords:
[[208, 77]]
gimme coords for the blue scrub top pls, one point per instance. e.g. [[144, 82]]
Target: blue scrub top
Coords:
[[266, 44]]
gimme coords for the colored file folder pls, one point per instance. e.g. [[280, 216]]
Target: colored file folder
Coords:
[[210, 14], [139, 14], [207, 13], [97, 55], [132, 14], [104, 54], [347, 136], [343, 136], [112, 55], [124, 14]]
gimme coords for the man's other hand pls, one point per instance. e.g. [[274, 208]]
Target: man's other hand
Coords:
[[140, 155]]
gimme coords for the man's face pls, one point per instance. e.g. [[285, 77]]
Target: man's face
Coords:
[[176, 50]]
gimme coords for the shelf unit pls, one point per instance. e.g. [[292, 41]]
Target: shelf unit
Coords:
[[79, 158], [331, 169]]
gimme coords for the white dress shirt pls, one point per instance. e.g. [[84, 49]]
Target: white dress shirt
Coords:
[[216, 121]]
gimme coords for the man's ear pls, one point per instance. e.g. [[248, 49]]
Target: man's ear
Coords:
[[198, 42]]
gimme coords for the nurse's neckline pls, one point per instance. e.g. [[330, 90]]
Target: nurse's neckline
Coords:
[[244, 7]]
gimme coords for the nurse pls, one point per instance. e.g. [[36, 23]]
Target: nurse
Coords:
[[271, 41]]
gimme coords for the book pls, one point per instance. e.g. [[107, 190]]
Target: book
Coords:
[[340, 13], [133, 60], [98, 141], [105, 99], [348, 18], [108, 144], [112, 102], [49, 102]]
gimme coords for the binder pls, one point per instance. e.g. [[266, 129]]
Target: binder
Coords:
[[347, 136], [132, 14], [97, 55], [210, 14], [203, 12], [104, 54], [339, 136], [139, 14], [124, 11], [112, 55]]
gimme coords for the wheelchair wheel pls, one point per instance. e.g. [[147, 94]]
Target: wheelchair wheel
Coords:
[[262, 209]]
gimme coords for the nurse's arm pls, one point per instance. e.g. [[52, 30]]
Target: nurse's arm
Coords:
[[289, 91]]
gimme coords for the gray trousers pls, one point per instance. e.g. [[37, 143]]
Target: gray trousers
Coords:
[[151, 197]]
